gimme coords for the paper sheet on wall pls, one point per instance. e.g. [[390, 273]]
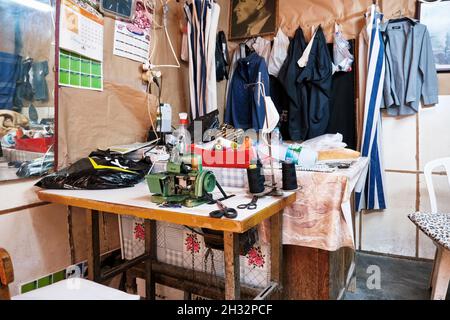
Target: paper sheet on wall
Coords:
[[131, 45], [132, 39], [81, 29], [80, 72]]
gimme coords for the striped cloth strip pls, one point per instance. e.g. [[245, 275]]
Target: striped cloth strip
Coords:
[[370, 192]]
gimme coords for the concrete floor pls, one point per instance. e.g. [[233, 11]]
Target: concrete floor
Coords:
[[399, 279]]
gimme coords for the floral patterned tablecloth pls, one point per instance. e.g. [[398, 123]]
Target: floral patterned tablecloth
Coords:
[[322, 216]]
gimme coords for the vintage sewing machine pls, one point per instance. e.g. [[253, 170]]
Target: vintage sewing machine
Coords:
[[183, 183]]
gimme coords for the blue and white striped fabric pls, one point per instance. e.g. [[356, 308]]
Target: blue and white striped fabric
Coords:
[[202, 23], [370, 192]]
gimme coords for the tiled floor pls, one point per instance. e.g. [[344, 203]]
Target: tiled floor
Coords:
[[400, 279]]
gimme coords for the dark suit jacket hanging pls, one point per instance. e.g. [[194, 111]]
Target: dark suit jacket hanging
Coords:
[[297, 109], [314, 82], [342, 108]]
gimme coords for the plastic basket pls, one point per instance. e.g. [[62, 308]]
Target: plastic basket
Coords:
[[224, 158], [40, 145]]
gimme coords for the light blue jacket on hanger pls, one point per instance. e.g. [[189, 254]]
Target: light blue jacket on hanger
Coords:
[[410, 67]]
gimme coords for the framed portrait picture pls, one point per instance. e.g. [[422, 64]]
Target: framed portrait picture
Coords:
[[251, 18], [435, 15]]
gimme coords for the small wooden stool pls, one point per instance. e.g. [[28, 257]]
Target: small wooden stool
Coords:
[[6, 274]]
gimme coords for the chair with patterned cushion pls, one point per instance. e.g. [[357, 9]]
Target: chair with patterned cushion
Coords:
[[69, 289], [436, 225]]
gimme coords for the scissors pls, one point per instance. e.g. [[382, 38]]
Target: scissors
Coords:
[[251, 205], [170, 205], [229, 213]]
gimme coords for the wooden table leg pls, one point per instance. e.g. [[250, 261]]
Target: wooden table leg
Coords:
[[93, 236], [150, 249], [276, 252], [232, 269]]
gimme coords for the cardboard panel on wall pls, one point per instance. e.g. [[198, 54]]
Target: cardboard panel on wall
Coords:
[[349, 13], [117, 69], [174, 80], [119, 114], [99, 119], [309, 13], [444, 83], [91, 119]]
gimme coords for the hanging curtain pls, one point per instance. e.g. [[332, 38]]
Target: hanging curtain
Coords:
[[370, 193], [202, 22]]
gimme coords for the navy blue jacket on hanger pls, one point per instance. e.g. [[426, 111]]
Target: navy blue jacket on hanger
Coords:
[[288, 75], [243, 110], [315, 82]]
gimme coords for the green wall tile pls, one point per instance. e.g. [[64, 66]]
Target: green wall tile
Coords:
[[96, 69], [75, 65], [64, 77], [85, 66], [28, 287], [64, 62], [45, 281], [85, 81], [75, 79], [58, 276], [96, 82]]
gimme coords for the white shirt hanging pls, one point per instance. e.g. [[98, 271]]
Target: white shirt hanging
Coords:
[[262, 48], [303, 61], [279, 53]]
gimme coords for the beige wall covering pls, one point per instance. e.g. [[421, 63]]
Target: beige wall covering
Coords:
[[105, 126]]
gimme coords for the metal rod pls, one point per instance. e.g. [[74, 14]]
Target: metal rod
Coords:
[[202, 280], [269, 134], [259, 88], [268, 291], [124, 266]]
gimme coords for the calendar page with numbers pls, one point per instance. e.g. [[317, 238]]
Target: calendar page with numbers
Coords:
[[81, 29]]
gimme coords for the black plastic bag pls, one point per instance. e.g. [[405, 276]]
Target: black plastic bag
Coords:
[[101, 170]]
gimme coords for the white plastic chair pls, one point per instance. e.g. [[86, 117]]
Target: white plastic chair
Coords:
[[436, 225]]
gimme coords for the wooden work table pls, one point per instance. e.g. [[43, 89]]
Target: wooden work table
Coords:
[[136, 202]]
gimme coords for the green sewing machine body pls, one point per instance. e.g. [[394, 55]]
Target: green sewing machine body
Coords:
[[181, 184]]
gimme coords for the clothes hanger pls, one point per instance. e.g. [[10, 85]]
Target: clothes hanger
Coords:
[[399, 17], [250, 42], [165, 6]]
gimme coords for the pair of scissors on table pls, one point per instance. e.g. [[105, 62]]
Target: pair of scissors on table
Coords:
[[251, 205], [223, 211]]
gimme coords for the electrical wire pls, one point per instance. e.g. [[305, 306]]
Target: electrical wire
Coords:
[[45, 156], [149, 112]]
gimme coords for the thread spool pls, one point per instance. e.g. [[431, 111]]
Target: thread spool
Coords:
[[218, 147], [255, 179], [289, 176]]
